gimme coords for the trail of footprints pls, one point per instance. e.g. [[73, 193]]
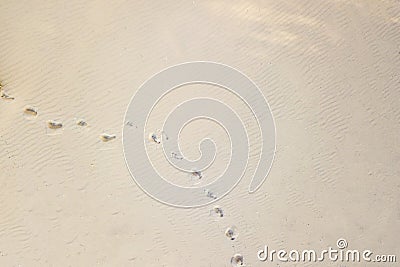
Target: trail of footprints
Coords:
[[231, 232], [32, 111]]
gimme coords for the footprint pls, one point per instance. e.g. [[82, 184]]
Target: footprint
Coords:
[[52, 124], [237, 260], [197, 174], [232, 233], [5, 96], [153, 137], [209, 194], [107, 137], [217, 211], [30, 110], [195, 177], [81, 122]]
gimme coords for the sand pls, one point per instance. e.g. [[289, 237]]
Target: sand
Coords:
[[329, 70]]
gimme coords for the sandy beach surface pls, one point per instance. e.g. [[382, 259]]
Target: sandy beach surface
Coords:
[[330, 71]]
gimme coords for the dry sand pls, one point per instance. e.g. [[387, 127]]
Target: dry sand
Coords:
[[329, 69]]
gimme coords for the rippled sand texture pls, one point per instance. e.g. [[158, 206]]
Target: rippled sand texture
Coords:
[[329, 69]]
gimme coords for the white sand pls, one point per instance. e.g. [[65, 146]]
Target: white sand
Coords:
[[330, 71]]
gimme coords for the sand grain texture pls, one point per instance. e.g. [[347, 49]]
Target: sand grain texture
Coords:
[[329, 70]]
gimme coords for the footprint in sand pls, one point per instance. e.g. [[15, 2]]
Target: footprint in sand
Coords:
[[107, 137], [81, 122], [217, 211], [31, 111], [52, 124], [237, 260], [5, 96], [232, 233]]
